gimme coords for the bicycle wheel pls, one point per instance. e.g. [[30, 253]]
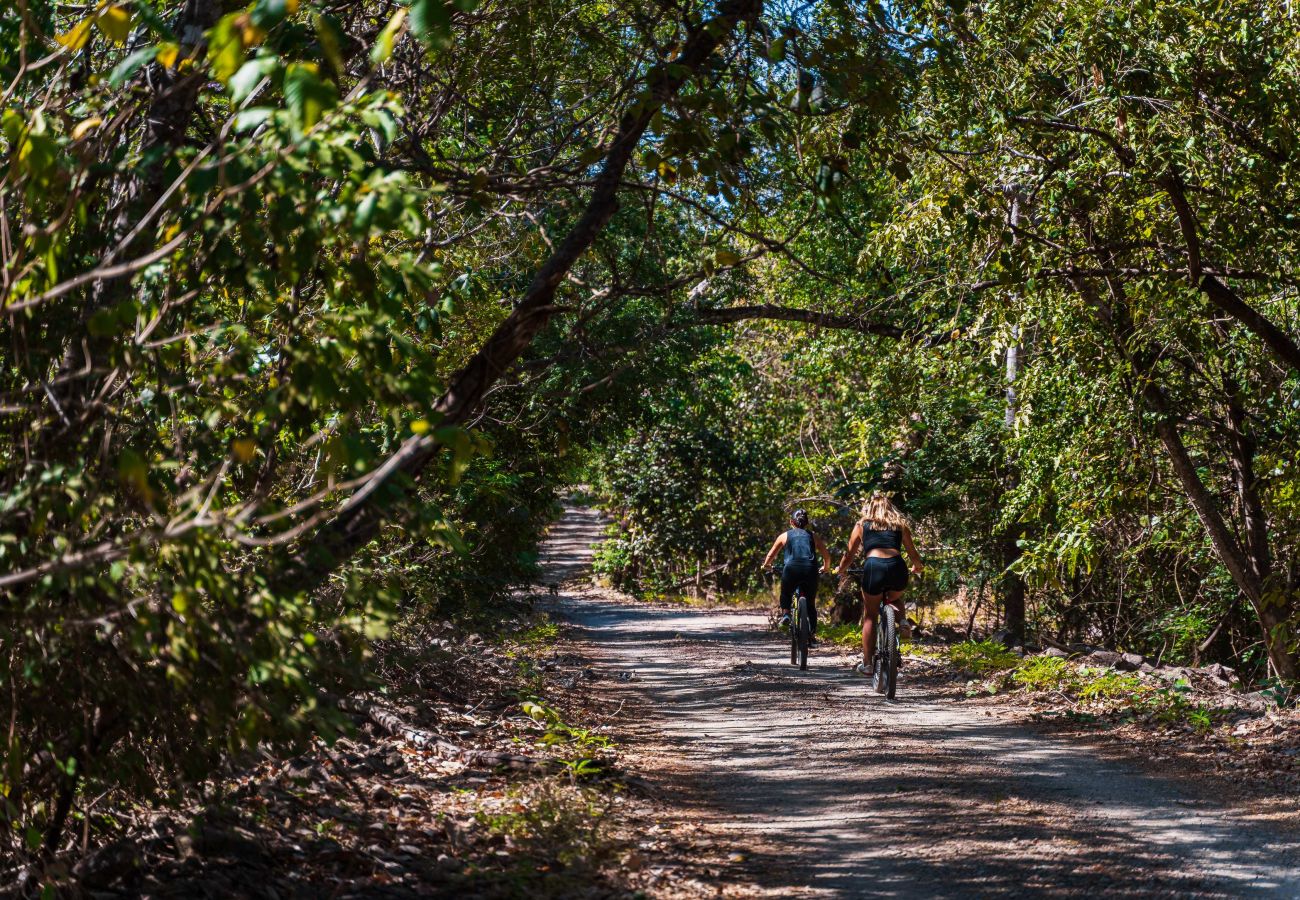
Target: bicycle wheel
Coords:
[[794, 634], [887, 649], [805, 630]]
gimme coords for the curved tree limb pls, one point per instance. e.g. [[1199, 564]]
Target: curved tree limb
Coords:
[[363, 514]]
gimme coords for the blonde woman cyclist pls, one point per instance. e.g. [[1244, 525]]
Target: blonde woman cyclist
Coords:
[[881, 535]]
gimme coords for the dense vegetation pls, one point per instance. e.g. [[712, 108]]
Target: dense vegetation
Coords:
[[310, 308]]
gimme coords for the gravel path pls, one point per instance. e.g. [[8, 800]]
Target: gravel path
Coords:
[[831, 791]]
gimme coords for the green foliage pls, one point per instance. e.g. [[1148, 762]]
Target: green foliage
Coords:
[[1045, 673], [981, 657], [240, 273], [582, 743], [1170, 706], [553, 822]]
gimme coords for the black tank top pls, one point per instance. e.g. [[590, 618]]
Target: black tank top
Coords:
[[890, 539], [799, 548]]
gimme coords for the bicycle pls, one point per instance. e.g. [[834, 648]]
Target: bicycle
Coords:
[[888, 655], [801, 629]]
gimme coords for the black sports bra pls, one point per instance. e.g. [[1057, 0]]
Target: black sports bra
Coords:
[[891, 539]]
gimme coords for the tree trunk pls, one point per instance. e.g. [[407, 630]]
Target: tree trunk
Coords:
[[1273, 608]]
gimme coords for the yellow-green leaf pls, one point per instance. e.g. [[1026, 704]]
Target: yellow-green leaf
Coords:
[[115, 23], [83, 128], [384, 43], [226, 47], [168, 54], [76, 37]]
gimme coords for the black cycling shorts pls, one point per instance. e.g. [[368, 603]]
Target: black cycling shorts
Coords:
[[883, 573], [798, 576]]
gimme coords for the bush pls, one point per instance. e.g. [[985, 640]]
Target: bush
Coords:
[[1044, 673], [981, 657]]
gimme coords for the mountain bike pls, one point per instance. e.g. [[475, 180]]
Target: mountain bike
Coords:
[[888, 655], [801, 627]]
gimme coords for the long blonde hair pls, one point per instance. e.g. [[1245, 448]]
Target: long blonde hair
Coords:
[[880, 513]]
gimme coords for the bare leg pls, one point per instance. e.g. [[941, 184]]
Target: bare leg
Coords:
[[870, 606]]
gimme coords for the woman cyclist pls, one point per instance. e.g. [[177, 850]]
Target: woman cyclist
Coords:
[[802, 548], [881, 534]]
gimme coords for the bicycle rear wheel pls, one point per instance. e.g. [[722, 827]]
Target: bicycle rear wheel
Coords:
[[805, 630], [887, 649]]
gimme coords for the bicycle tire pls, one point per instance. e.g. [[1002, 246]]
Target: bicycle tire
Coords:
[[794, 634], [805, 630], [887, 649]]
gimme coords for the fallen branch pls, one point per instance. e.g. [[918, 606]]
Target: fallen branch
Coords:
[[387, 720]]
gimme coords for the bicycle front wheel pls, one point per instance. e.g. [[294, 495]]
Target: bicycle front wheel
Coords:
[[887, 649], [794, 635]]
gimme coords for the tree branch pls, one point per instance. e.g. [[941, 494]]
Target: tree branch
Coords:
[[362, 516]]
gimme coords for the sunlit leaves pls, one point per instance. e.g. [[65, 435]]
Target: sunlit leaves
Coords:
[[114, 22], [383, 47], [226, 46], [307, 95]]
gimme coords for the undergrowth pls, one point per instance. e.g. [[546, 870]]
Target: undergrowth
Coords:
[[551, 829], [1111, 691]]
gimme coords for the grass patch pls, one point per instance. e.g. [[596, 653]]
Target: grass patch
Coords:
[[538, 634], [1044, 673], [846, 635], [945, 612]]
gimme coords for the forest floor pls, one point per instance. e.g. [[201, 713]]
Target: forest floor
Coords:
[[814, 786]]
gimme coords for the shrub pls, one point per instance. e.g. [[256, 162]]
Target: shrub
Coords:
[[981, 657], [1044, 673]]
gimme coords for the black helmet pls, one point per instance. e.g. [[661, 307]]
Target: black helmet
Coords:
[[800, 518]]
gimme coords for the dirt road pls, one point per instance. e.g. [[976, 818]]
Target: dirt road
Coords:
[[830, 791]]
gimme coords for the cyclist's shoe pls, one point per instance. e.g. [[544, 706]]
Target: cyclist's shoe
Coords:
[[784, 621], [861, 669]]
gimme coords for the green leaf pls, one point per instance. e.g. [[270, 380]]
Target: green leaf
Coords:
[[249, 119], [307, 95], [250, 74], [129, 66], [431, 22], [269, 13]]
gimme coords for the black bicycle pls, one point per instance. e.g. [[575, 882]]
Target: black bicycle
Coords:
[[884, 664], [801, 625]]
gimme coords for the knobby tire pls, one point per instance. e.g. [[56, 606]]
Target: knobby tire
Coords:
[[805, 630], [887, 650]]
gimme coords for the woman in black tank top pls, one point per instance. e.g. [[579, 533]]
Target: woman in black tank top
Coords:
[[881, 536], [802, 547]]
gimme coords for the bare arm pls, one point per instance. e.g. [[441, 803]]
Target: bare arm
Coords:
[[851, 552], [776, 548], [821, 548], [911, 552]]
